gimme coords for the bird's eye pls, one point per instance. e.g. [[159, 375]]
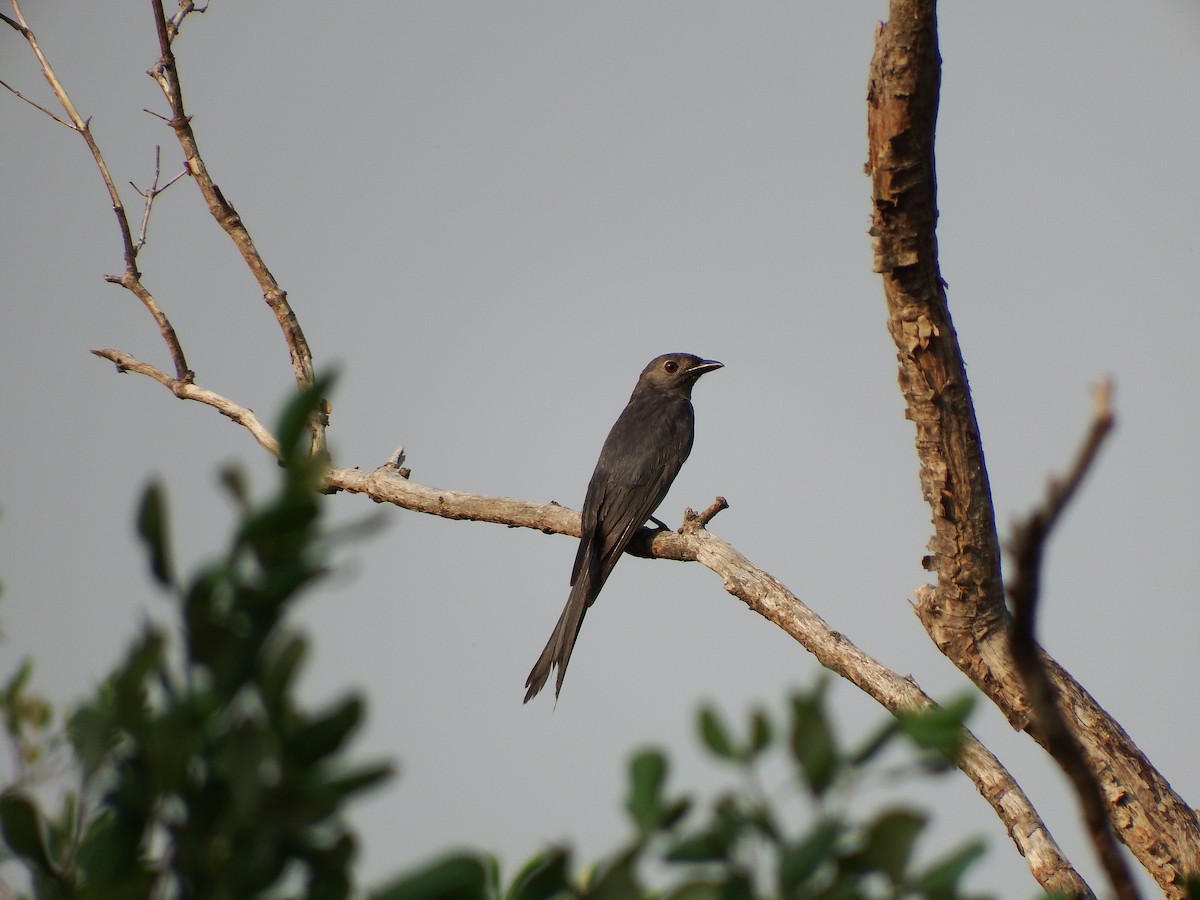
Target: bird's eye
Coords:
[[671, 366]]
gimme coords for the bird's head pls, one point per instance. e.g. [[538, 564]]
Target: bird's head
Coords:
[[674, 373]]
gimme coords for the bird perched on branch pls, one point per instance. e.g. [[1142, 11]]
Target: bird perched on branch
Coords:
[[641, 457]]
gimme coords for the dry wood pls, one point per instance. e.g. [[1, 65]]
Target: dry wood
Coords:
[[965, 613]]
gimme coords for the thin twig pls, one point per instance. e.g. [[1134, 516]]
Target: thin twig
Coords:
[[187, 390], [694, 520], [131, 278], [166, 74], [83, 126], [1032, 535], [151, 193], [1027, 549], [34, 103], [186, 8]]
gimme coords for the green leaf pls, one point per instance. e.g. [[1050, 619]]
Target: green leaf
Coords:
[[233, 480], [111, 859], [761, 732], [941, 880], [293, 423], [459, 877], [890, 841], [617, 880], [545, 876], [812, 741], [697, 890], [671, 814], [18, 681], [361, 778], [939, 728], [325, 735], [704, 846], [801, 861], [716, 735], [23, 830], [875, 744], [279, 673], [647, 774], [152, 527]]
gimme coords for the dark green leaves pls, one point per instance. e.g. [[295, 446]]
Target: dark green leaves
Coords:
[[152, 527], [741, 847], [811, 739], [217, 782], [647, 774], [720, 741], [939, 728], [459, 877], [545, 876], [21, 825], [206, 776], [715, 735], [646, 803]]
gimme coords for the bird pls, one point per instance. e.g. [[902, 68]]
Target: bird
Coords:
[[640, 458]]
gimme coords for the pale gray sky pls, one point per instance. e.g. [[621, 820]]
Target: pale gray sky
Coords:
[[490, 217]]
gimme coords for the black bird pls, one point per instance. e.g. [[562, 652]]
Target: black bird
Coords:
[[640, 458]]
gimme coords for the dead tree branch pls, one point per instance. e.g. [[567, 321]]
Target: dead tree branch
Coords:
[[166, 74], [766, 596], [1027, 549], [131, 279], [965, 614], [151, 194], [21, 96], [185, 389]]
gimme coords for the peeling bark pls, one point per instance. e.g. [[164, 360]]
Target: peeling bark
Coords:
[[965, 613]]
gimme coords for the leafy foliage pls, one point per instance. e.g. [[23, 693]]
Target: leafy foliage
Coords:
[[739, 849], [211, 779], [201, 775]]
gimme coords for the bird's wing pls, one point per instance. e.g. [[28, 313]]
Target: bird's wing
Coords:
[[588, 531], [635, 483]]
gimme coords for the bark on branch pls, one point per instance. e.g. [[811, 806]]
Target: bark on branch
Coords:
[[131, 278], [965, 614], [1027, 549], [765, 595], [165, 72]]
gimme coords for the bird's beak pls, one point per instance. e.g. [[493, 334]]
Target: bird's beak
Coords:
[[705, 365]]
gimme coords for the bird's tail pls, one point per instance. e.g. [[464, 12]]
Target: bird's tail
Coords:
[[562, 640]]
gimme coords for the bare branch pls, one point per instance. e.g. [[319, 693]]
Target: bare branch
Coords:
[[965, 615], [766, 596], [132, 282], [694, 520], [1031, 536], [151, 193], [34, 103], [83, 127], [131, 279], [166, 74], [1027, 548], [186, 8], [186, 390]]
